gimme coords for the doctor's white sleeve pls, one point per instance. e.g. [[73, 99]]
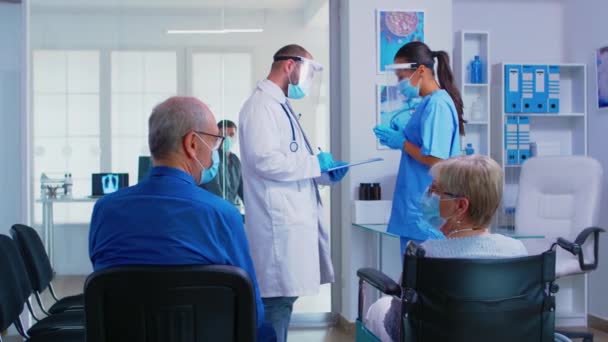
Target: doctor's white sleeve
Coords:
[[261, 145]]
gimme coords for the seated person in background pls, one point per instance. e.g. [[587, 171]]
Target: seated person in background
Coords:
[[166, 219], [461, 202], [228, 184]]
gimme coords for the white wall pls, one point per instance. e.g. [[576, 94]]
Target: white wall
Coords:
[[585, 33], [358, 20], [11, 172], [519, 30]]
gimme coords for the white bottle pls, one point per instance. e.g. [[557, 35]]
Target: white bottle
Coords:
[[68, 185], [477, 110]]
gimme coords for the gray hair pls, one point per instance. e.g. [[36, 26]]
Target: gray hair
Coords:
[[171, 120], [476, 177]]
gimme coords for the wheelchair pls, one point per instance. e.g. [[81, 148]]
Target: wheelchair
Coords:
[[511, 299]]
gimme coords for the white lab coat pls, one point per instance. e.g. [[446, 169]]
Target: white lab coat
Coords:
[[288, 244]]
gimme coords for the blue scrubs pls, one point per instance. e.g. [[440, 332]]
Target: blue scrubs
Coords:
[[401, 117], [433, 128]]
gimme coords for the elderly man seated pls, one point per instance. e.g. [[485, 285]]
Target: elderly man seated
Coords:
[[166, 219]]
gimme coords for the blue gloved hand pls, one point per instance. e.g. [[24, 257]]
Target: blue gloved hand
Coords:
[[326, 160], [390, 137], [337, 175]]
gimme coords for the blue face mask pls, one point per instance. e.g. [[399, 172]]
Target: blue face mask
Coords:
[[429, 207], [295, 91], [408, 90], [227, 145], [208, 174]]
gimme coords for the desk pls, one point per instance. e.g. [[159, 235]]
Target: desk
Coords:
[[48, 225], [513, 234], [381, 231]]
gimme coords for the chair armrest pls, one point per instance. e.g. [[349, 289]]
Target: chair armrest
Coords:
[[576, 247], [571, 247], [582, 236], [380, 281]]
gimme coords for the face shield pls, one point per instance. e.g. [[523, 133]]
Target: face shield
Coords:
[[398, 97], [306, 76], [304, 85]]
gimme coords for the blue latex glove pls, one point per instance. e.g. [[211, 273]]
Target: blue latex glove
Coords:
[[326, 160], [390, 137], [337, 175]]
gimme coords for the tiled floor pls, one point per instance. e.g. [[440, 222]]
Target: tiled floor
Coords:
[[334, 335], [71, 285], [295, 335]]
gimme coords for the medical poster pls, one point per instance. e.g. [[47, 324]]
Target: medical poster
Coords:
[[602, 77], [394, 29]]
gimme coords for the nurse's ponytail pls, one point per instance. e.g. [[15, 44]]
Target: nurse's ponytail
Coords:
[[446, 81], [418, 52]]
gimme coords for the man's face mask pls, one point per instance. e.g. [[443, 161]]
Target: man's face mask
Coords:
[[295, 91], [227, 144], [208, 174], [304, 74]]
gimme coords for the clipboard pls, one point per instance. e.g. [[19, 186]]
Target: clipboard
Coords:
[[363, 162]]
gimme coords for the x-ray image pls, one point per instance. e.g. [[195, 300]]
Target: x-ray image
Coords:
[[109, 183]]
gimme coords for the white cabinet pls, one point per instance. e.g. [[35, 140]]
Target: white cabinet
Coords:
[[475, 96]]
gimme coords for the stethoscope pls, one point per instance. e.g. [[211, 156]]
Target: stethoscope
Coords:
[[293, 146]]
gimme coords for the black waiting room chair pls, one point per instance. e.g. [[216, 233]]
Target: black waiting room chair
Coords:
[[170, 304], [40, 271], [15, 290]]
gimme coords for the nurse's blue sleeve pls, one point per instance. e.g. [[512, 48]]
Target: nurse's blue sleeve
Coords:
[[240, 257], [437, 129]]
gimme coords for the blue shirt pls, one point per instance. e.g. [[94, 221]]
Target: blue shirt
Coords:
[[434, 129], [167, 220]]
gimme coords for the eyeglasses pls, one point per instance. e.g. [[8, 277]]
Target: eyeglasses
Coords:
[[434, 189], [218, 141]]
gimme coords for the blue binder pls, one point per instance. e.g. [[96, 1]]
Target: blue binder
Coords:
[[523, 138], [554, 79], [511, 140], [541, 85], [527, 88], [512, 88]]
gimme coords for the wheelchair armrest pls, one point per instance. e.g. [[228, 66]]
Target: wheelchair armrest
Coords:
[[582, 236], [380, 281], [576, 247], [572, 247]]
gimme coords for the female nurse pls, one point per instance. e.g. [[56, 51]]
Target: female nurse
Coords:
[[432, 134]]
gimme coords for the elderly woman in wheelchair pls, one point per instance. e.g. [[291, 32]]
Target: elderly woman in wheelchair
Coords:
[[470, 266]]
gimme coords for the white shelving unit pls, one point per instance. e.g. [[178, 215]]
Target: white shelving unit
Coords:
[[468, 45], [562, 133]]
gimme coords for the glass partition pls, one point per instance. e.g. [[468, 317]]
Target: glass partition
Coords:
[[99, 67]]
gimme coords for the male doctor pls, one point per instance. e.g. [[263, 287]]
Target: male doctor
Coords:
[[281, 171]]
